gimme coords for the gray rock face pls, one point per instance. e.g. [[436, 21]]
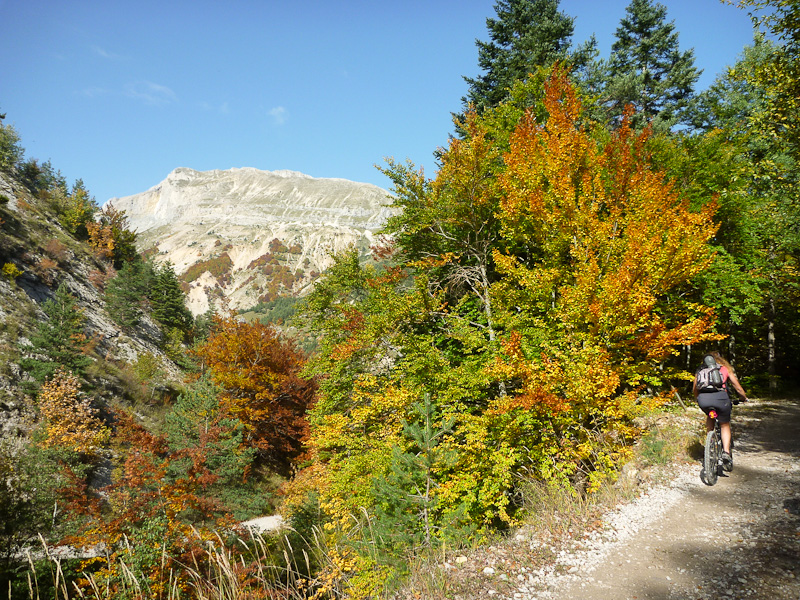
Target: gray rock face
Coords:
[[195, 217]]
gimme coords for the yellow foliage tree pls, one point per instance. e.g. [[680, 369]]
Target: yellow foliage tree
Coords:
[[70, 420]]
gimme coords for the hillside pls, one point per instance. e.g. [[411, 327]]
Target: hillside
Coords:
[[252, 236], [108, 426], [45, 255]]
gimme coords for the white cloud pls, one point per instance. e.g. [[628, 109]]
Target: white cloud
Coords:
[[95, 92], [279, 115], [150, 93], [223, 109], [103, 53]]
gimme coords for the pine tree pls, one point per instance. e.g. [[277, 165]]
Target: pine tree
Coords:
[[526, 34], [169, 301], [407, 496], [125, 293], [648, 69], [11, 152], [58, 341]]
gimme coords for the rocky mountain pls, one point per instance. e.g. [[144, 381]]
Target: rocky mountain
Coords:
[[252, 236]]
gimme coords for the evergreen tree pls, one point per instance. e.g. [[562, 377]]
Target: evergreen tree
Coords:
[[406, 507], [526, 34], [11, 152], [126, 292], [203, 324], [169, 301], [198, 427], [648, 69], [58, 341]]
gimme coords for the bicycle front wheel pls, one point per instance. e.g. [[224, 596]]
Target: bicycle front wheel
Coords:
[[711, 459]]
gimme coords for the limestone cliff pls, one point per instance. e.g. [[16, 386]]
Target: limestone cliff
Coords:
[[252, 235]]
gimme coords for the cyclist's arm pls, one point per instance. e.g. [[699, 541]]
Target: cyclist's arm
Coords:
[[737, 386]]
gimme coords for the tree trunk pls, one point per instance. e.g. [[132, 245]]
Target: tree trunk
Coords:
[[487, 308], [773, 380]]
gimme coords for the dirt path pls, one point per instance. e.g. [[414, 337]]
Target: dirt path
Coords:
[[738, 539], [681, 540]]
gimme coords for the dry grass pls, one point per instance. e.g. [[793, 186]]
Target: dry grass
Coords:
[[262, 568]]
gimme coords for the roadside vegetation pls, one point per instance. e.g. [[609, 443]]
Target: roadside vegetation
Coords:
[[519, 354]]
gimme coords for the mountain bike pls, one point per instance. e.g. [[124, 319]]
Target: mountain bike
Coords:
[[712, 457]]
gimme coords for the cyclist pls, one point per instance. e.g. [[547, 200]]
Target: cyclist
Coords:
[[720, 401]]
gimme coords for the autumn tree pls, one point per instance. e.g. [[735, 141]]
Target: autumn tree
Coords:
[[779, 75], [608, 246], [258, 372], [582, 249], [70, 420], [77, 210], [155, 516], [111, 237], [448, 228]]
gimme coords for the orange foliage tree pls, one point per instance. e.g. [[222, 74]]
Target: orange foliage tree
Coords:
[[259, 373], [553, 269], [111, 237], [602, 251], [153, 518]]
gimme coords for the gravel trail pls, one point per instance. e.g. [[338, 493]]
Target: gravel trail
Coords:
[[739, 539]]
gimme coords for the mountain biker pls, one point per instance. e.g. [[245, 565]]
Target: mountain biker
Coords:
[[721, 402]]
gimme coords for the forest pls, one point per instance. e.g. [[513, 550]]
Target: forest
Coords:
[[594, 226]]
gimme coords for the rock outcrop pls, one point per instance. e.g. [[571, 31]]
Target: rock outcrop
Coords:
[[251, 235]]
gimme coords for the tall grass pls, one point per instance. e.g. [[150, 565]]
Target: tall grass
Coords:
[[257, 567]]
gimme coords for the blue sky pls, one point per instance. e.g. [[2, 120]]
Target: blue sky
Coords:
[[121, 93]]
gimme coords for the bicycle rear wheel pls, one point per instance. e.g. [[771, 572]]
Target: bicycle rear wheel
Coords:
[[711, 459]]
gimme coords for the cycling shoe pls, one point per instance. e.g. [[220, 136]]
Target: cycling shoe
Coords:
[[727, 462]]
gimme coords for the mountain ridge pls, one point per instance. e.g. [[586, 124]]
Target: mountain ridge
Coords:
[[261, 234]]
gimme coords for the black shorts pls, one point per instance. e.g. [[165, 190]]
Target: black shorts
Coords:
[[717, 400]]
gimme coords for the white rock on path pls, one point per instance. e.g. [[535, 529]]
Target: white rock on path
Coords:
[[264, 524]]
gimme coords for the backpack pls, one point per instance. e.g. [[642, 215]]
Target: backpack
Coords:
[[708, 377]]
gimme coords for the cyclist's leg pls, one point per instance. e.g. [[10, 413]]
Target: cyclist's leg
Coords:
[[709, 424], [725, 430]]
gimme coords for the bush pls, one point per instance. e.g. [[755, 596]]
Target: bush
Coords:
[[11, 271]]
